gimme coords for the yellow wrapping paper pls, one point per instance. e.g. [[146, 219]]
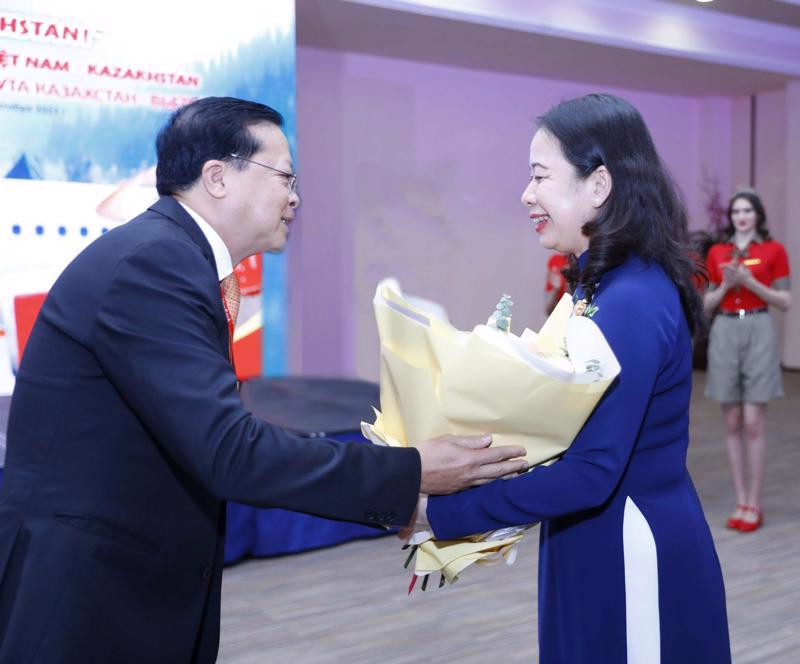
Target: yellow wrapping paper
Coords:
[[534, 390]]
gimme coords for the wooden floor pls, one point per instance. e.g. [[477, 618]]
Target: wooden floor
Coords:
[[348, 604]]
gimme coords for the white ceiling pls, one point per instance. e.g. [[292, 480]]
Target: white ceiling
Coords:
[[781, 12], [646, 44]]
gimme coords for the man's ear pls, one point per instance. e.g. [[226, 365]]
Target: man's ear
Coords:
[[213, 178], [600, 184]]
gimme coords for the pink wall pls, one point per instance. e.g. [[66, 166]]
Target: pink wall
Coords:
[[415, 170], [770, 170], [320, 258], [791, 329], [716, 150], [740, 143], [771, 158], [777, 166]]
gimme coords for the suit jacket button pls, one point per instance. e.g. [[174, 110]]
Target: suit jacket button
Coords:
[[207, 572]]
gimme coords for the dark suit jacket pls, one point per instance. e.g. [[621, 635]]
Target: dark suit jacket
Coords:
[[126, 436]]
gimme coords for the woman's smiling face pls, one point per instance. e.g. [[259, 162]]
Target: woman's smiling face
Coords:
[[559, 202]]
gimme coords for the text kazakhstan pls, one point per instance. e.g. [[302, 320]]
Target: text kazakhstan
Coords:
[[162, 78]]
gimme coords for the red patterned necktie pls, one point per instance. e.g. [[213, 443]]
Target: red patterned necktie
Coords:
[[231, 298], [231, 295]]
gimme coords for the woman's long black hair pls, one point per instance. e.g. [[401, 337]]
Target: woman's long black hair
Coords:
[[761, 214], [644, 213]]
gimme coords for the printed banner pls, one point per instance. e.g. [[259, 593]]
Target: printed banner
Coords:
[[83, 92]]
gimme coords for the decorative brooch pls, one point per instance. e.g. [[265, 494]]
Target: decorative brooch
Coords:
[[584, 308]]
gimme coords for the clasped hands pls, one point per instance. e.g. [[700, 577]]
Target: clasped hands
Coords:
[[736, 274]]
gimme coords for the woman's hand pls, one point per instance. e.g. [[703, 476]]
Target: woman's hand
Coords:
[[747, 279], [733, 274]]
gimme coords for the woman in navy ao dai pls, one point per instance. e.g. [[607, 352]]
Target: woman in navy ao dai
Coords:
[[628, 572]]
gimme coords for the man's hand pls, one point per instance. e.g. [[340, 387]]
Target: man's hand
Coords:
[[453, 463]]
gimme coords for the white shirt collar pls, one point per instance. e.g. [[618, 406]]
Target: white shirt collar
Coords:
[[222, 256]]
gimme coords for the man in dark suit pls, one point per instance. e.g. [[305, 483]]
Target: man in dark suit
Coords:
[[127, 434]]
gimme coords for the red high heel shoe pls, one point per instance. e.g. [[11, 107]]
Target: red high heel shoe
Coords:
[[733, 523], [750, 526]]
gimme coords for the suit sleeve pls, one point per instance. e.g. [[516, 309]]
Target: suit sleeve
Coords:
[[588, 472], [156, 338]]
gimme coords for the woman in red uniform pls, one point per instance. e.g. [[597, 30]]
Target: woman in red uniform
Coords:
[[555, 284], [747, 272]]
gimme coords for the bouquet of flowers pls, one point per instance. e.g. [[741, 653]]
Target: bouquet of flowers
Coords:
[[534, 390]]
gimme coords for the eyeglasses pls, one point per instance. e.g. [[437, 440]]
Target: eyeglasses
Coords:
[[291, 178]]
